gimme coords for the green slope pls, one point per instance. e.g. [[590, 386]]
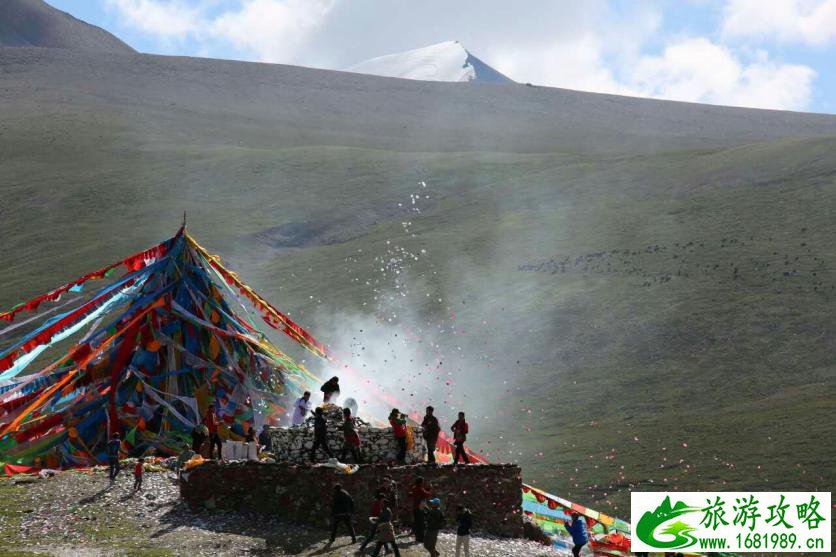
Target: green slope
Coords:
[[608, 307]]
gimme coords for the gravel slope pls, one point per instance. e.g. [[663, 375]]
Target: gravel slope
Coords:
[[78, 513]]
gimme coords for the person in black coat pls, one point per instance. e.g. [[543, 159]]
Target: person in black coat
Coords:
[[264, 438], [320, 435], [199, 435], [342, 508], [431, 429], [434, 523], [331, 390], [113, 448]]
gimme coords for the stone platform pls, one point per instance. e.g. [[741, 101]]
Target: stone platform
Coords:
[[293, 444], [302, 493]]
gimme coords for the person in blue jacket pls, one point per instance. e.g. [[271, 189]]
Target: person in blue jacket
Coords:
[[577, 527]]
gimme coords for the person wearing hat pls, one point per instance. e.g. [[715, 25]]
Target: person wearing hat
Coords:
[[113, 447], [430, 431], [434, 523], [577, 528]]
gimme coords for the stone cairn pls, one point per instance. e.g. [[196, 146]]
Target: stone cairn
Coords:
[[293, 444]]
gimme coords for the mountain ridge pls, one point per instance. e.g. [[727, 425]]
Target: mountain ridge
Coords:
[[34, 23]]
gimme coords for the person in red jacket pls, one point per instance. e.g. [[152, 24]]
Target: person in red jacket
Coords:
[[139, 472], [419, 493], [211, 421], [398, 423], [377, 507], [460, 431]]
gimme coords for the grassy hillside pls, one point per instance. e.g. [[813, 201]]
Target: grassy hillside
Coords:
[[621, 292]]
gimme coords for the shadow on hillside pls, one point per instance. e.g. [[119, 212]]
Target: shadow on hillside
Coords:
[[96, 496]]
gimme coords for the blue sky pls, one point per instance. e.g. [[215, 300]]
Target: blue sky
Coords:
[[761, 53]]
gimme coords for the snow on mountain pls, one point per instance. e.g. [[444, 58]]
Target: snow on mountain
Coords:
[[447, 61]]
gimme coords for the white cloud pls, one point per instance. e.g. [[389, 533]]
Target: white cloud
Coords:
[[272, 30], [699, 70], [266, 30], [588, 46], [689, 69], [585, 58], [172, 19], [810, 22], [578, 64]]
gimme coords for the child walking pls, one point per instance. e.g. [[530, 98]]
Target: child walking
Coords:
[[139, 471]]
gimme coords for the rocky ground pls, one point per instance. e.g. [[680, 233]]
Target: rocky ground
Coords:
[[81, 513]]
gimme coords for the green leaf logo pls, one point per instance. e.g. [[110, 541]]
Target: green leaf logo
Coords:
[[681, 532]]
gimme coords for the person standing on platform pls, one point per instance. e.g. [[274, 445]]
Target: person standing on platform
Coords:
[[301, 409], [199, 435], [320, 427], [264, 439], [211, 421], [398, 423], [431, 430], [460, 431], [331, 390], [351, 439]]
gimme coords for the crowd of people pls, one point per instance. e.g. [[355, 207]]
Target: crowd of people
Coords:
[[352, 443], [427, 515], [427, 519]]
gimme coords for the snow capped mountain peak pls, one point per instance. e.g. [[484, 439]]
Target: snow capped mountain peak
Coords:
[[447, 61]]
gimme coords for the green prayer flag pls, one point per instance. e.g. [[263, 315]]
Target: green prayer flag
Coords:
[[131, 436]]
